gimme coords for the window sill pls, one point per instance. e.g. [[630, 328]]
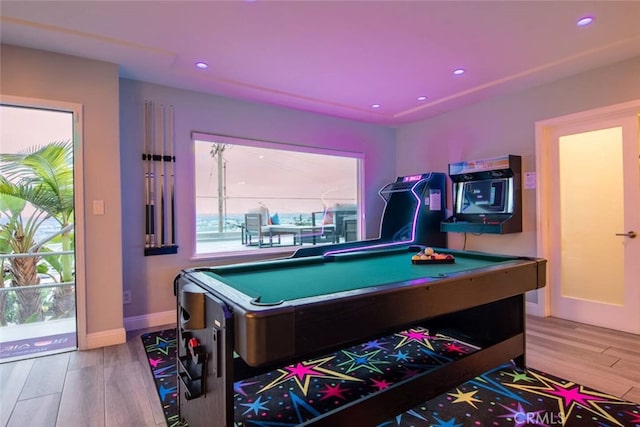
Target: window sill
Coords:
[[233, 257]]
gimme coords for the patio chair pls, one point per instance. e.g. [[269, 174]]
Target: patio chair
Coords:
[[342, 218], [253, 227]]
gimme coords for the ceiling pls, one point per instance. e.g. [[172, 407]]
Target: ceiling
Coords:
[[336, 57]]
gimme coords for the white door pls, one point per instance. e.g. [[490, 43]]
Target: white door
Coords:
[[593, 215]]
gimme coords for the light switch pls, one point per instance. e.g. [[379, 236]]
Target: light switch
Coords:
[[98, 207]]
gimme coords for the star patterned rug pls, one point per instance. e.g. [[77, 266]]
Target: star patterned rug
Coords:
[[504, 396]]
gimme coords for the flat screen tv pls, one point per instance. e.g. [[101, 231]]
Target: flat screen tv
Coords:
[[487, 196]]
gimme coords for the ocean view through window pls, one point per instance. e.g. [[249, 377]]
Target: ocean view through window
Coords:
[[251, 195]]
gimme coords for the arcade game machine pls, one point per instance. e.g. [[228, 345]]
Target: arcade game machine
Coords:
[[487, 196], [414, 208]]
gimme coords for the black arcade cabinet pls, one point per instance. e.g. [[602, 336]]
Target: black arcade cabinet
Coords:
[[487, 196], [415, 205]]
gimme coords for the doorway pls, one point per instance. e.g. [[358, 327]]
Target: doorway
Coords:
[[589, 216], [38, 238]]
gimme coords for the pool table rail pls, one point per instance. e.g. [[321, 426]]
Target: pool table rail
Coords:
[[267, 334]]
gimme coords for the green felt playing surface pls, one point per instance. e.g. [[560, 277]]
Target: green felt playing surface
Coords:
[[287, 280]]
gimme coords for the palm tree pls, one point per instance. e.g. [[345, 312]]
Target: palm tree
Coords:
[[43, 177], [18, 236]]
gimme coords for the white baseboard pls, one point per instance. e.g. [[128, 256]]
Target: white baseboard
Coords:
[[119, 336], [106, 338], [151, 320], [534, 309]]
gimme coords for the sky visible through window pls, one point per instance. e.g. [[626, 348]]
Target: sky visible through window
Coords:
[[23, 128], [285, 182]]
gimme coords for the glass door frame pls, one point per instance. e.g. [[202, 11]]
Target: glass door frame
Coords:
[[79, 211]]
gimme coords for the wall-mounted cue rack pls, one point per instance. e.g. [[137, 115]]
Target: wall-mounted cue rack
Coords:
[[159, 166]]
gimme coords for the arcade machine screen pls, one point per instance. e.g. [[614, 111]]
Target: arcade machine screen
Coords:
[[484, 197]]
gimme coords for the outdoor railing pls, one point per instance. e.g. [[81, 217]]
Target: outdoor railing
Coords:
[[37, 301]]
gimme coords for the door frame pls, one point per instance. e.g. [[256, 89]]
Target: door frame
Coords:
[[78, 195], [544, 142]]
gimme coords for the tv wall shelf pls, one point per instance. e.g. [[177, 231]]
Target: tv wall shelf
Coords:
[[487, 196]]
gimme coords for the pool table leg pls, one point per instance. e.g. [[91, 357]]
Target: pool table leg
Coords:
[[520, 361]]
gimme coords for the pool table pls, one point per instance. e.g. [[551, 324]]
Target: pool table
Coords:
[[239, 320]]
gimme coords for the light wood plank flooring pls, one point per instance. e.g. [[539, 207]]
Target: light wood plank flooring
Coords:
[[112, 386]]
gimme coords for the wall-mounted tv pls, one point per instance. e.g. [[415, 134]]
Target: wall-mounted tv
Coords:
[[486, 196]]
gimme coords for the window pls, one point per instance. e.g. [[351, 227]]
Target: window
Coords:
[[300, 195]]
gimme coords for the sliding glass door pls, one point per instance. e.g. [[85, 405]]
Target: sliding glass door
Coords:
[[37, 238]]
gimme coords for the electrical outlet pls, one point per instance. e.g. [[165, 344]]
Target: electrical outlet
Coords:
[[126, 297]]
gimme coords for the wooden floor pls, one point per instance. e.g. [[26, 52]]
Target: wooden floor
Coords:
[[113, 386]]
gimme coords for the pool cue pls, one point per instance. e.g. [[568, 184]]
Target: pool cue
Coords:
[[171, 159], [163, 174], [157, 144], [145, 171], [147, 175], [152, 173]]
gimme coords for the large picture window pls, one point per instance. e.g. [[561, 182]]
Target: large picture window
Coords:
[[253, 195]]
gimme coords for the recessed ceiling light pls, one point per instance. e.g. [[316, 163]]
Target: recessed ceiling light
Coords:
[[376, 105], [422, 98], [583, 22], [202, 65], [458, 71]]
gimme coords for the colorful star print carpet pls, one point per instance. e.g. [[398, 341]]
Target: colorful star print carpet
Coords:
[[505, 396]]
